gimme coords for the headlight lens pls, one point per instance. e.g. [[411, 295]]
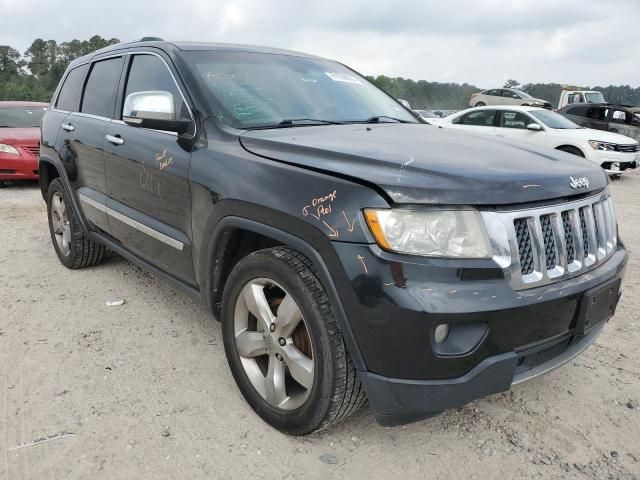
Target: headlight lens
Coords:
[[4, 148], [438, 233], [598, 145]]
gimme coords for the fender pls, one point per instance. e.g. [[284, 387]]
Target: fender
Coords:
[[306, 249]]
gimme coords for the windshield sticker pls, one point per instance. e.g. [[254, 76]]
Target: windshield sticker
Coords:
[[343, 77], [309, 80]]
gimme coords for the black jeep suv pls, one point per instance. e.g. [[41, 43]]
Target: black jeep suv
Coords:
[[350, 251]]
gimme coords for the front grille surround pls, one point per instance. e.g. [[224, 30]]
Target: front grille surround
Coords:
[[543, 245], [630, 148], [32, 149]]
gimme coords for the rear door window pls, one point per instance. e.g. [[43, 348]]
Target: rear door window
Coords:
[[100, 92], [480, 118], [69, 95]]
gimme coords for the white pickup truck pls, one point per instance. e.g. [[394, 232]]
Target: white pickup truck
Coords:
[[575, 95]]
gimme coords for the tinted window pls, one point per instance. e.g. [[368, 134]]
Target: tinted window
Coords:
[[149, 73], [100, 93], [69, 95], [482, 118], [493, 93], [509, 94], [595, 113], [580, 111], [514, 120]]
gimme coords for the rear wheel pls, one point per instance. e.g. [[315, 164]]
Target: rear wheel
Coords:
[[480, 104], [73, 247], [283, 345], [572, 150]]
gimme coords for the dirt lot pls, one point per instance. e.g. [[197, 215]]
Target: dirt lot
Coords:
[[142, 390]]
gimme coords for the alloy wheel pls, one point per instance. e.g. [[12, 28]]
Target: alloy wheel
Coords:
[[273, 343], [60, 223]]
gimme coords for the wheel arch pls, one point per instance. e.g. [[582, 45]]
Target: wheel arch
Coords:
[[47, 171], [234, 237]]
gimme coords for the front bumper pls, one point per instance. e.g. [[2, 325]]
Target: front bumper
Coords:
[[502, 336], [15, 167], [615, 163], [395, 401]]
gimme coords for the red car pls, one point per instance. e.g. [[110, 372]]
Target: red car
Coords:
[[20, 140]]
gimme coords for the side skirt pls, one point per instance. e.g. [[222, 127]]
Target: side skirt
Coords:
[[190, 290]]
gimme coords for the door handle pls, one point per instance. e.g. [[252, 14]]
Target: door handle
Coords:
[[115, 140], [500, 135], [68, 127]]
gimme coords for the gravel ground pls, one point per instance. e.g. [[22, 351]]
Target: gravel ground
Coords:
[[143, 391]]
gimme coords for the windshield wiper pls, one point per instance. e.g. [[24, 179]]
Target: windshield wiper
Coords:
[[297, 122], [380, 119]]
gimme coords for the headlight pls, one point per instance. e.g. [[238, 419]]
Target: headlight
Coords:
[[597, 145], [438, 233], [4, 148]]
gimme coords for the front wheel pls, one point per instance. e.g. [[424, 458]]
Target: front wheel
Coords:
[[283, 344]]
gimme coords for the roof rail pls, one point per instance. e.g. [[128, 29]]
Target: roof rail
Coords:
[[151, 39]]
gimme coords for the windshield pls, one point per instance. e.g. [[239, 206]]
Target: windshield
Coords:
[[553, 119], [523, 94], [594, 97], [21, 117], [258, 90]]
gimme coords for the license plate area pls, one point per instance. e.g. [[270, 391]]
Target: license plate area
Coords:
[[597, 305]]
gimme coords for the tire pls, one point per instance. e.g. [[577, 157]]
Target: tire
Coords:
[[572, 150], [334, 392], [480, 104], [73, 247]]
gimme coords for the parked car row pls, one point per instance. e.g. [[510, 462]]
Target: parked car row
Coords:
[[613, 152], [506, 96], [20, 140]]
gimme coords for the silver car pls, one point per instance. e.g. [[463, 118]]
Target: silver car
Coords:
[[506, 96]]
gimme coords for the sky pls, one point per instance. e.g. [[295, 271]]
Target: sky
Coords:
[[481, 42]]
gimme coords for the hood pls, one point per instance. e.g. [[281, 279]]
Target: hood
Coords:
[[19, 136], [423, 164], [540, 100]]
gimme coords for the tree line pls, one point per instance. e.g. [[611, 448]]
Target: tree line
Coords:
[[454, 96], [35, 73]]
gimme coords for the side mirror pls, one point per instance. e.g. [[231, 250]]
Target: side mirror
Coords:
[[406, 104], [154, 110], [534, 127]]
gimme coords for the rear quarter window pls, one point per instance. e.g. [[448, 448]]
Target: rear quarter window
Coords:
[[69, 95]]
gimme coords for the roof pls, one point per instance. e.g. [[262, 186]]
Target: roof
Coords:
[[189, 46], [19, 103], [517, 108]]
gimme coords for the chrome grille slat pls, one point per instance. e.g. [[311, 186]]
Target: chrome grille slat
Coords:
[[542, 245]]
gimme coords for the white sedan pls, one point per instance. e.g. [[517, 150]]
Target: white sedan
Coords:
[[615, 153]]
